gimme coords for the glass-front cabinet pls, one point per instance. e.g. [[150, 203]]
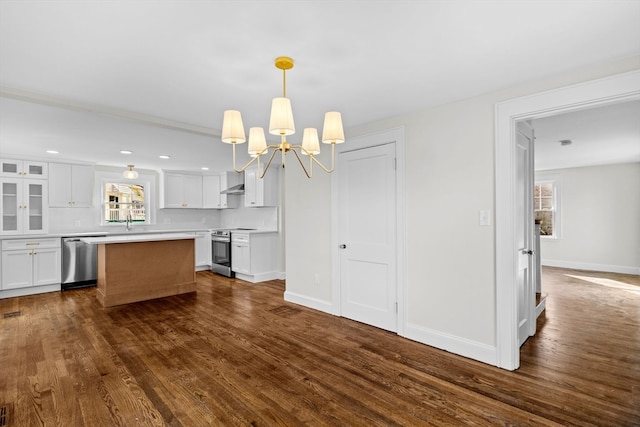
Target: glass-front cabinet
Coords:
[[23, 169], [23, 203]]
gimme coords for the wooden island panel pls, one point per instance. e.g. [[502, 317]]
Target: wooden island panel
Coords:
[[138, 271]]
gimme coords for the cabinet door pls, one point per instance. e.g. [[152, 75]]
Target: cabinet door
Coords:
[[46, 266], [260, 191], [35, 169], [60, 185], [173, 189], [203, 249], [11, 205], [240, 258], [211, 197], [81, 186], [10, 168], [35, 206], [17, 271], [192, 191], [251, 196]]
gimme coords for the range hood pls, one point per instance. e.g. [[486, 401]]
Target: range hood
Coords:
[[236, 189]]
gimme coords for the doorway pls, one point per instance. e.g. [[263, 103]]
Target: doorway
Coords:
[[618, 88]]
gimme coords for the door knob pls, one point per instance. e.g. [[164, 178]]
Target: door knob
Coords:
[[527, 252], [343, 246]]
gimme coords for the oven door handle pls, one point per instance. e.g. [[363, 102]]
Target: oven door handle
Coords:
[[221, 239]]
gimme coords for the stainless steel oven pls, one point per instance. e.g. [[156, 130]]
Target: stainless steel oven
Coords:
[[221, 252]]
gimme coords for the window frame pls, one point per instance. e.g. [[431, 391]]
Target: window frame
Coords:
[[556, 209], [146, 182]]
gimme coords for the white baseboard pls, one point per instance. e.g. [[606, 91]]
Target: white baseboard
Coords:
[[10, 293], [590, 267], [467, 348], [257, 278], [314, 303], [463, 347]]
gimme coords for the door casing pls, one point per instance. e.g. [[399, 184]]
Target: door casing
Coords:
[[609, 90]]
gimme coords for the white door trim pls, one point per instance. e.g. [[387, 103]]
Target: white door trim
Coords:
[[395, 135], [609, 90]]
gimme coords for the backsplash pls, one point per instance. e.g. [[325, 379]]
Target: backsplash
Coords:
[[259, 218]]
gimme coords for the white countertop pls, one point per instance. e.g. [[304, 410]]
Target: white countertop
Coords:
[[135, 232], [132, 238]]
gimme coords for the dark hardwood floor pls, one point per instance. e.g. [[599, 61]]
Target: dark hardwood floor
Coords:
[[236, 354]]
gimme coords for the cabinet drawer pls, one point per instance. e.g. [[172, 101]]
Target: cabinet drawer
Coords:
[[10, 245], [239, 238]]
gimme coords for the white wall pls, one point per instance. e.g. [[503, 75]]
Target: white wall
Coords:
[[600, 214], [450, 266]]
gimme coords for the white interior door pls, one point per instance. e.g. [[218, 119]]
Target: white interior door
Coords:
[[525, 232], [367, 235]]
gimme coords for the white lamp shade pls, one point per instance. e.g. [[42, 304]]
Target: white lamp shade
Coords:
[[257, 141], [332, 132], [281, 122], [310, 143], [130, 173], [232, 128]]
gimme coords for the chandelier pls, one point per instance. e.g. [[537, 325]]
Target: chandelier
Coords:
[[281, 123]]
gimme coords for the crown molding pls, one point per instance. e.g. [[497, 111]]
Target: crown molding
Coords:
[[70, 104]]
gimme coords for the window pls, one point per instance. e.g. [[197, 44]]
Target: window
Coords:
[[123, 199], [545, 207]]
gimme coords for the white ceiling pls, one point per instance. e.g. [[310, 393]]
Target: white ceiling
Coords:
[[599, 136], [90, 78]]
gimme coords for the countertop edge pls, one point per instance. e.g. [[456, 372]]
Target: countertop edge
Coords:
[[137, 238]]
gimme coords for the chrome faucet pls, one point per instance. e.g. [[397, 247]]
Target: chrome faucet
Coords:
[[129, 223]]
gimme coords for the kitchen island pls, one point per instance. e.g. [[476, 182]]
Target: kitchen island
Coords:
[[140, 267]]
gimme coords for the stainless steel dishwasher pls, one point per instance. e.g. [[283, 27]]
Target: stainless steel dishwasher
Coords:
[[79, 263]]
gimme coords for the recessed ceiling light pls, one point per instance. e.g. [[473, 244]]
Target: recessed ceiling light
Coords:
[[53, 152], [126, 152], [205, 168], [164, 157]]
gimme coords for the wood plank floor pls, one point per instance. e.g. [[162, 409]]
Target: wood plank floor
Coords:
[[236, 354]]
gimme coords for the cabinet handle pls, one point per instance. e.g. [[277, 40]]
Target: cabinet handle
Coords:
[[32, 244]]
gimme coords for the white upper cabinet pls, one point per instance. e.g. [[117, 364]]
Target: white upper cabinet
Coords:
[[23, 206], [260, 192], [214, 185], [181, 191], [23, 169], [70, 185]]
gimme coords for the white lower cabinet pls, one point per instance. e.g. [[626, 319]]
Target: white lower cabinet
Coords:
[[254, 256], [27, 263], [240, 254], [203, 250]]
